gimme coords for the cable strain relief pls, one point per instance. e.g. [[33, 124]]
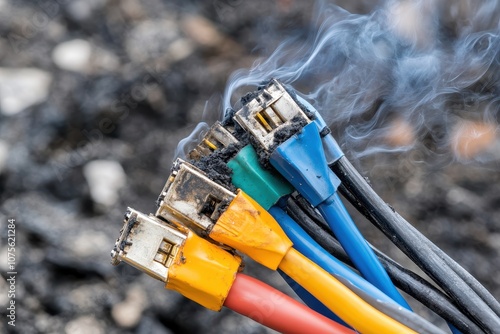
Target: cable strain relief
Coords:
[[302, 161], [265, 186]]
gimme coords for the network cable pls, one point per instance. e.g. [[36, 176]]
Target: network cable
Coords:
[[268, 188], [241, 198], [355, 188], [221, 149], [239, 222], [292, 144], [434, 262], [258, 115], [209, 275], [405, 279]]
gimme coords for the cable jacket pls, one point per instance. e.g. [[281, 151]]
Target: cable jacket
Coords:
[[403, 278], [311, 301], [274, 309], [337, 297], [417, 247], [355, 245]]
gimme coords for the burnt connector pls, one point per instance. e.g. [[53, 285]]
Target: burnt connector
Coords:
[[269, 110], [233, 220], [148, 244], [188, 264], [216, 138], [191, 198]]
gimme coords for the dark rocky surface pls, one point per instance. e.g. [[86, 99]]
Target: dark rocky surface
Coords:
[[95, 96]]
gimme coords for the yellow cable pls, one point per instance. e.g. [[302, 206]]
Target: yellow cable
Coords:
[[337, 297]]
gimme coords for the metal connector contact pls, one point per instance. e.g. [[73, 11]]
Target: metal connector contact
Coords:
[[191, 198], [148, 244], [271, 110], [216, 138]]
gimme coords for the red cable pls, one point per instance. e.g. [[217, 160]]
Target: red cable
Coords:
[[272, 308]]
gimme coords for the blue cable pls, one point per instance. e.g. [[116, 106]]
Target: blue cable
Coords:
[[356, 246], [312, 250], [301, 160]]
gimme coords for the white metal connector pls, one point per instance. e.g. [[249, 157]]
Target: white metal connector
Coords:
[[271, 109], [148, 244], [216, 138], [192, 199]]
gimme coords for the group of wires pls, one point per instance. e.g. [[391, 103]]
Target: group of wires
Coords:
[[265, 183]]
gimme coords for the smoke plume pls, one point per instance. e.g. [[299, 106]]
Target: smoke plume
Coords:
[[412, 74]]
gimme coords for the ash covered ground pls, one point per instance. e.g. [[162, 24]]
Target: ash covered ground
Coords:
[[94, 98]]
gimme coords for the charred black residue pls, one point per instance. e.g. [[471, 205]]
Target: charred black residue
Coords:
[[124, 233], [250, 96], [228, 117], [263, 155], [236, 130], [296, 124], [326, 130], [215, 165], [209, 206], [223, 205], [281, 135], [260, 95]]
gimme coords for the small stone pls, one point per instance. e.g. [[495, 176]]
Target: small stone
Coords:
[[202, 31], [149, 40], [127, 314], [85, 325], [456, 196], [83, 9], [73, 55], [413, 22], [205, 34], [400, 133], [21, 88], [104, 60], [494, 241], [88, 243], [180, 49], [105, 178], [157, 41], [471, 138], [133, 9]]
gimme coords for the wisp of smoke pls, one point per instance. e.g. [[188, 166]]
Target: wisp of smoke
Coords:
[[208, 117], [396, 79]]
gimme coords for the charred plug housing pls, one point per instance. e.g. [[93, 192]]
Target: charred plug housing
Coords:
[[268, 111]]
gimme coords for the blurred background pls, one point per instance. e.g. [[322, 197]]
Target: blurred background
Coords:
[[96, 94]]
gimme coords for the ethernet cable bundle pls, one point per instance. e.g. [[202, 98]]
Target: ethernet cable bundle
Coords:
[[265, 183]]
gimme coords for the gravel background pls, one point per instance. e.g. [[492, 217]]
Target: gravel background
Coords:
[[94, 97]]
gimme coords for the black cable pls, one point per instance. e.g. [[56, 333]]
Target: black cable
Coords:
[[360, 204], [477, 302], [404, 279], [478, 288]]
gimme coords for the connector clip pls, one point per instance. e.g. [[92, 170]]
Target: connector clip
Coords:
[[216, 138], [269, 111], [148, 244], [191, 198], [188, 264]]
